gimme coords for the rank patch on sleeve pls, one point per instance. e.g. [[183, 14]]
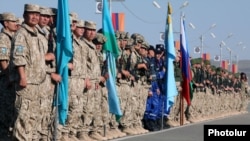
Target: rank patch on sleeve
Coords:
[[3, 50], [19, 50]]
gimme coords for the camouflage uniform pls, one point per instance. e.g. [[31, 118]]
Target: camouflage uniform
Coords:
[[125, 88], [77, 99], [46, 96], [7, 96], [28, 51], [92, 109]]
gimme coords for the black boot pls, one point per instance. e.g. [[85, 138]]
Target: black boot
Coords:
[[165, 125]]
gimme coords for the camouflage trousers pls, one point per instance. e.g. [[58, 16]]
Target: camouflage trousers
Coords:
[[105, 108], [97, 114], [77, 101], [46, 106], [141, 102], [126, 92], [28, 113]]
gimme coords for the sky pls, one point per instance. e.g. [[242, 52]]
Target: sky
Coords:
[[230, 17]]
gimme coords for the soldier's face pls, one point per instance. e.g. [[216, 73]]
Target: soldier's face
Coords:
[[44, 20], [98, 47], [79, 31], [89, 34], [143, 51], [11, 25], [32, 18]]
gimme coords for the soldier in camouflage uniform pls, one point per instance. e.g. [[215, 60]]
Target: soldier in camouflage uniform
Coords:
[[99, 40], [122, 86], [198, 79], [19, 22], [46, 96], [92, 110], [28, 63], [125, 80], [134, 85], [77, 75], [7, 95], [144, 85]]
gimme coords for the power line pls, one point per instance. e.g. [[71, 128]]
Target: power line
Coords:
[[139, 18]]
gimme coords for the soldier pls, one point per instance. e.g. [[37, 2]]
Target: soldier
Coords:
[[92, 110], [244, 83], [145, 78], [78, 73], [19, 22], [74, 19], [99, 40], [125, 83], [7, 95], [46, 96], [29, 62], [199, 76]]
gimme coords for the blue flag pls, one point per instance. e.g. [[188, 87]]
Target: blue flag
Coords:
[[63, 54], [112, 51], [170, 86]]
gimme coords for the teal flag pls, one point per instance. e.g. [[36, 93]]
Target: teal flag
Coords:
[[64, 53], [170, 86], [112, 51]]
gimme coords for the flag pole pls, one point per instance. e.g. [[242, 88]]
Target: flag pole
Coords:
[[56, 114], [181, 109]]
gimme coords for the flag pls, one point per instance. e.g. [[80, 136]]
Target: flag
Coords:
[[112, 51], [63, 54], [185, 65], [118, 21], [169, 83]]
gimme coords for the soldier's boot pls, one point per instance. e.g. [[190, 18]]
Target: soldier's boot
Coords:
[[65, 137], [97, 136], [165, 123], [120, 133], [114, 133], [171, 123], [83, 136], [136, 130], [128, 131], [108, 135], [73, 137], [143, 130]]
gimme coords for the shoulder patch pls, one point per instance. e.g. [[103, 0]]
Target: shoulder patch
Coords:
[[19, 50], [3, 50]]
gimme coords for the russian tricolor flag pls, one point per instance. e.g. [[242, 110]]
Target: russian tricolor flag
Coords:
[[185, 64]]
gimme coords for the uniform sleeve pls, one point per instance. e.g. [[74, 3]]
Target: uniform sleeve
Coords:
[[20, 51], [4, 49]]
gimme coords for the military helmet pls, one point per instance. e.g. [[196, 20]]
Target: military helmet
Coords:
[[138, 38], [99, 39]]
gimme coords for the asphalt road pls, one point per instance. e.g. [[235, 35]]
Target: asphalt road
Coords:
[[189, 132]]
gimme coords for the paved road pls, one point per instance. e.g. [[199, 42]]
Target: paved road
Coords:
[[189, 132]]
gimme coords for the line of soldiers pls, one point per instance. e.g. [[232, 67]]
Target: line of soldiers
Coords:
[[29, 80], [215, 79]]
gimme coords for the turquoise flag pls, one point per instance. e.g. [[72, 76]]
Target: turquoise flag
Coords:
[[170, 86], [112, 51], [63, 54]]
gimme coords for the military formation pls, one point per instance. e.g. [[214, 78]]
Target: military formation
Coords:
[[29, 81]]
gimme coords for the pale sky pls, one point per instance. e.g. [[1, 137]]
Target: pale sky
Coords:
[[141, 16]]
